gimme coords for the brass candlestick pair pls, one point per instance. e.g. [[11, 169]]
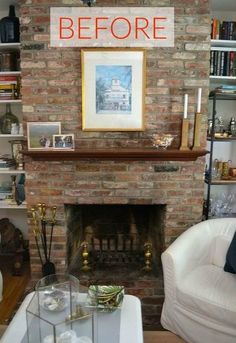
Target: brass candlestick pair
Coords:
[[184, 146]]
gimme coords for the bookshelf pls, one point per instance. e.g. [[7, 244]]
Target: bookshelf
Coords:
[[222, 105], [223, 60], [17, 214]]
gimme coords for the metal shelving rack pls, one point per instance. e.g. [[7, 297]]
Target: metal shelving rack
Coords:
[[215, 96]]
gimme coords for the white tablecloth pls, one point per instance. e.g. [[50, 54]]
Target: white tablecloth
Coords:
[[130, 327]]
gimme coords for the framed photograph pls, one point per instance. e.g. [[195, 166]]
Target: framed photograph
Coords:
[[64, 142], [40, 134], [113, 82]]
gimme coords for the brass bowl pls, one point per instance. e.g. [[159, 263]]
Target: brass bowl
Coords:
[[162, 140]]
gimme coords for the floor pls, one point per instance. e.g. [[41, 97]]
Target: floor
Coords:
[[161, 337], [2, 329], [13, 288], [149, 336]]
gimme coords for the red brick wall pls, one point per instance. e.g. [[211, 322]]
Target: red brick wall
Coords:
[[51, 89]]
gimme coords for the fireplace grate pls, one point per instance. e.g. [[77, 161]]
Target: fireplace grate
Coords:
[[116, 250]]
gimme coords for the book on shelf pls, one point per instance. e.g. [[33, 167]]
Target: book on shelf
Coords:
[[4, 195], [222, 63], [6, 168], [225, 30], [9, 87], [6, 163], [8, 78]]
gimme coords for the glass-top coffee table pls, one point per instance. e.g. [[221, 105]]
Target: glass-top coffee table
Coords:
[[130, 326]]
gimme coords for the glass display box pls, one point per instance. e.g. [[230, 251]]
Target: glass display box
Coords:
[[56, 314]]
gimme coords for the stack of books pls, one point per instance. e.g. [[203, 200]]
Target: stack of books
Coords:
[[7, 163], [226, 89], [9, 87]]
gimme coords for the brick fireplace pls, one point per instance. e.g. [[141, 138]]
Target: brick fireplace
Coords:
[[51, 90]]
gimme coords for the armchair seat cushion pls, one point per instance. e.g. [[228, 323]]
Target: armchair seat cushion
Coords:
[[210, 292]]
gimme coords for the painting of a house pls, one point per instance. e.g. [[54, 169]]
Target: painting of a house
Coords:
[[113, 89]]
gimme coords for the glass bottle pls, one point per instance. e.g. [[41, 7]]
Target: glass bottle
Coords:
[[7, 120], [232, 127], [10, 27]]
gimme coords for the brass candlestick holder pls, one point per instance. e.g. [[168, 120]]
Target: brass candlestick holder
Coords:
[[197, 132], [13, 190], [85, 257], [184, 135], [147, 257]]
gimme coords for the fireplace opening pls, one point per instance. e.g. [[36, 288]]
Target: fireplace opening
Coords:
[[117, 239]]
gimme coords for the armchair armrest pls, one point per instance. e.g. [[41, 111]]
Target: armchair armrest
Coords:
[[191, 249]]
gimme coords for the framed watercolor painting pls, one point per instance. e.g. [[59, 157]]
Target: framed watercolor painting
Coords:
[[40, 134], [113, 82], [64, 142]]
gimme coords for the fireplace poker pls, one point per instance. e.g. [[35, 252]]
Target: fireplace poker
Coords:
[[53, 209], [36, 232], [37, 244], [42, 209]]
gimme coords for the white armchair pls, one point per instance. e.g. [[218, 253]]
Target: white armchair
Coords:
[[200, 297]]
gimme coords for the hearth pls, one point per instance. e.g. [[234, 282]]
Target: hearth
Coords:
[[114, 238]]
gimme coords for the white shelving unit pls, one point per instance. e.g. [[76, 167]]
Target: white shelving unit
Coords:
[[7, 46], [17, 101], [4, 73], [17, 214], [7, 206], [12, 171], [223, 44], [223, 79]]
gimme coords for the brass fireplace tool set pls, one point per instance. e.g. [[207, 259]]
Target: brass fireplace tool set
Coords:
[[41, 233]]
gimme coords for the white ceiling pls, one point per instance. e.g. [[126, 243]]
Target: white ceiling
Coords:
[[223, 5]]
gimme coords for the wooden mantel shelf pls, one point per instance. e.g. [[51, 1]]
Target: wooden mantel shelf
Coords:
[[138, 154]]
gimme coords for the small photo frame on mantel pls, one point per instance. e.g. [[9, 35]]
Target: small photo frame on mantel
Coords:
[[40, 134], [64, 142]]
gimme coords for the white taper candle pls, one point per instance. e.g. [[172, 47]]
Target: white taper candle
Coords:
[[185, 106], [199, 99]]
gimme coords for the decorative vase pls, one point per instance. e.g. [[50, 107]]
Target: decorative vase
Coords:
[[10, 27], [7, 120], [48, 268]]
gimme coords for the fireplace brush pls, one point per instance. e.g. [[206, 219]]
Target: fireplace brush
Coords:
[[41, 222]]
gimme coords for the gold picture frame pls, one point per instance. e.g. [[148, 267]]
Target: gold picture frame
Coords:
[[113, 84]]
